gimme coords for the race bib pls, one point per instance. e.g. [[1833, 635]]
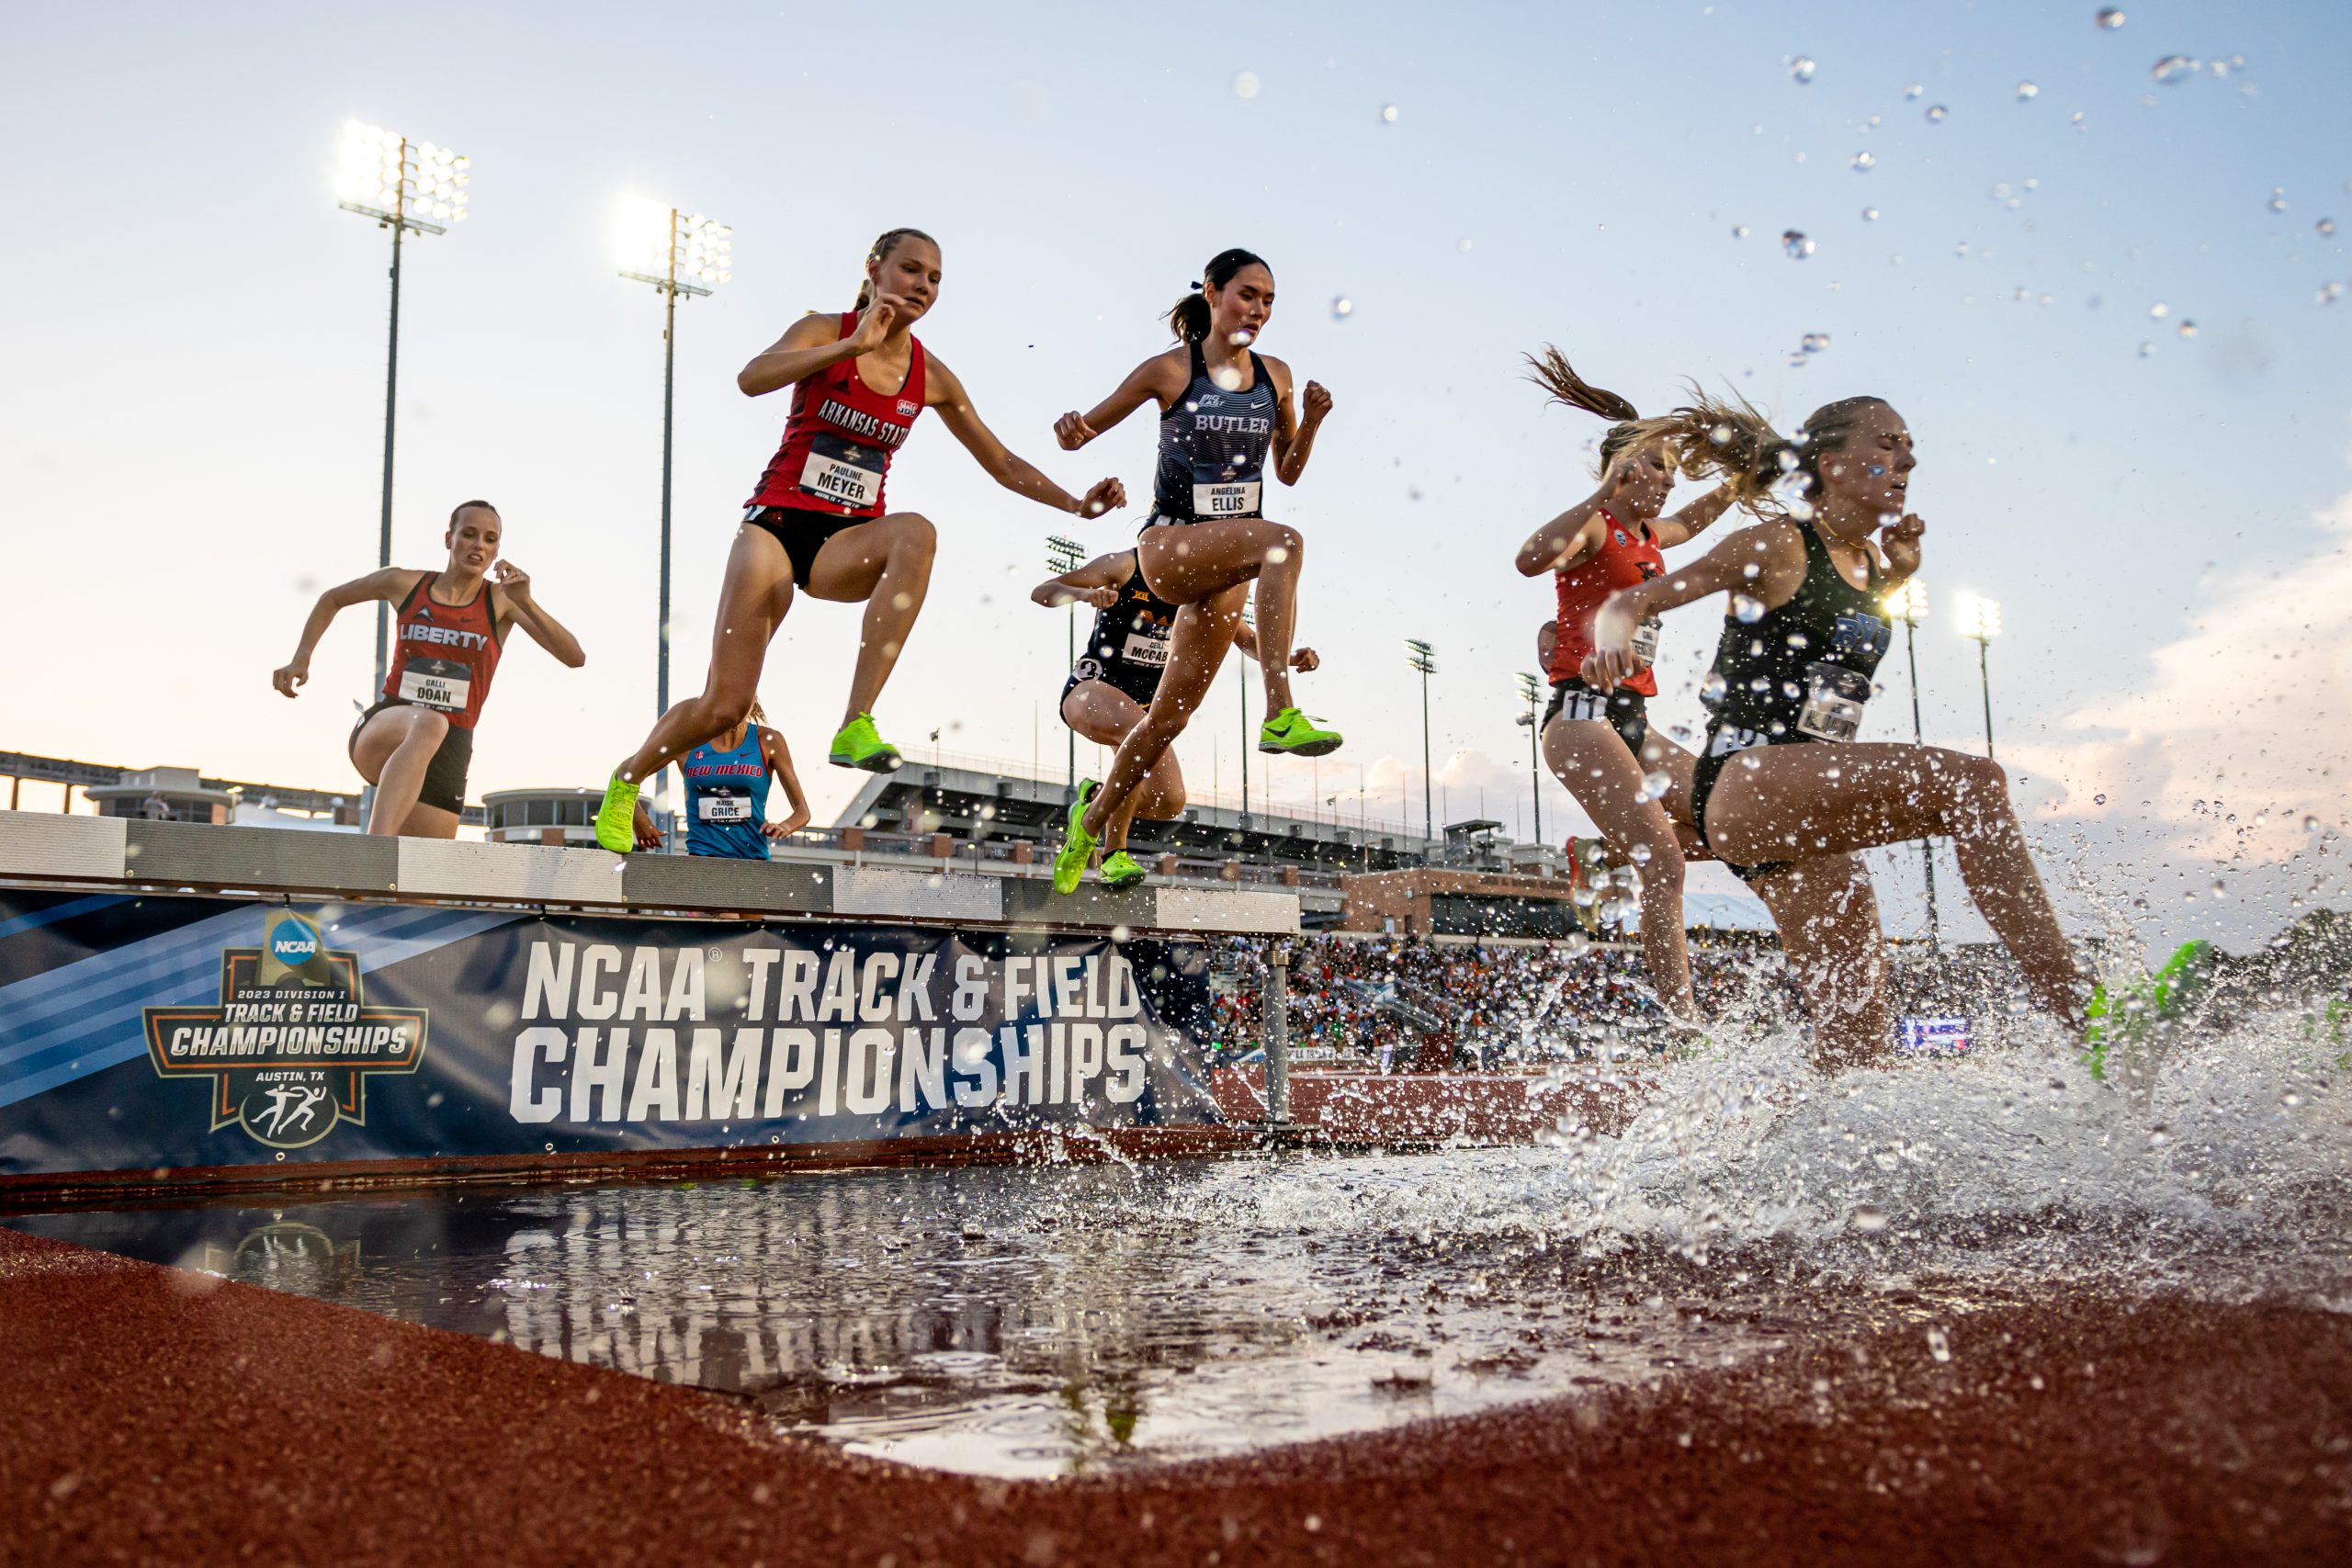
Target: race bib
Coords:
[[1833, 702], [1645, 642], [723, 806], [1143, 648], [843, 472], [441, 684], [1227, 498]]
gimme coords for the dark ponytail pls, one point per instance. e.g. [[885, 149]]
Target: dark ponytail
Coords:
[[1552, 371], [1190, 315], [881, 252]]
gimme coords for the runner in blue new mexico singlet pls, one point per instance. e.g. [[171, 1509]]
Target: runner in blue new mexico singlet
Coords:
[[726, 799]]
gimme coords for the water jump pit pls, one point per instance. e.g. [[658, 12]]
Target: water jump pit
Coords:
[[1983, 1308]]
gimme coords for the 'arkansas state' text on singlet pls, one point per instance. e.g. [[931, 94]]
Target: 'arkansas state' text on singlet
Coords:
[[840, 437]]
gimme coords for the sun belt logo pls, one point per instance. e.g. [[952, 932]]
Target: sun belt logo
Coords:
[[290, 1045]]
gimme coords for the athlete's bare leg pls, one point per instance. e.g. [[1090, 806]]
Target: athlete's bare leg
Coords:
[[1196, 649], [1104, 715], [887, 563], [1587, 755], [1802, 801], [1187, 563], [1827, 913], [752, 598], [393, 751]]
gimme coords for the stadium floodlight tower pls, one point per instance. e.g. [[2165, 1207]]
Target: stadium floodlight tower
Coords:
[[1530, 690], [1423, 658], [1980, 622], [1062, 555], [1908, 603], [408, 187], [677, 253]]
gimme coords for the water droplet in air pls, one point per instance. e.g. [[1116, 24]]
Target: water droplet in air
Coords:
[[2160, 310], [1911, 89], [2277, 199], [1712, 688], [1389, 114], [1815, 343], [1865, 162], [2186, 328], [1867, 1218], [1463, 243], [1869, 214], [1245, 85], [1739, 231], [1641, 854], [1938, 114], [2325, 226], [2110, 19], [2330, 292], [1655, 784], [2173, 69], [2219, 890], [1227, 377], [2311, 824], [1746, 608], [2099, 800], [2027, 92], [1801, 69], [1939, 1344], [1342, 308], [2147, 349], [1796, 244]]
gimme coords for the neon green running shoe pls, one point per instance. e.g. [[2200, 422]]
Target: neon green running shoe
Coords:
[[616, 819], [858, 746], [1120, 870], [1289, 734], [1069, 867]]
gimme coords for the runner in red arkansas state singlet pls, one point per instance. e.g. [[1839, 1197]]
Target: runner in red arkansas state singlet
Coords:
[[840, 437], [1625, 560]]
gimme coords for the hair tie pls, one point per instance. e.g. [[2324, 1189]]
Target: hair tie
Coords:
[[1197, 286]]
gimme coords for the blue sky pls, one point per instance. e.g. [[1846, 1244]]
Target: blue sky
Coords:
[[190, 409]]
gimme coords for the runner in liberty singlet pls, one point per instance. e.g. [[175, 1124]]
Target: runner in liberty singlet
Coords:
[[416, 744]]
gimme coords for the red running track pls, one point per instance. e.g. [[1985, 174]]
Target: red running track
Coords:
[[148, 1414]]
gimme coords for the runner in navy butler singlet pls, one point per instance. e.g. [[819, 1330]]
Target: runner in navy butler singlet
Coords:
[[1224, 410], [816, 522], [1117, 676], [1630, 779], [416, 743], [1785, 789], [727, 795]]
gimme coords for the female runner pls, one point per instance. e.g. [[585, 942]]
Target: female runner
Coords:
[[1783, 792], [1222, 409], [1600, 744], [817, 522], [417, 742], [1116, 678], [727, 793]]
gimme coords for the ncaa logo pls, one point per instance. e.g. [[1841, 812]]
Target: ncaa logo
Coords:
[[292, 942]]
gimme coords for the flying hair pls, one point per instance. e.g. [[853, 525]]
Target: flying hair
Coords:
[[1190, 315], [1730, 438], [881, 252], [1551, 370]]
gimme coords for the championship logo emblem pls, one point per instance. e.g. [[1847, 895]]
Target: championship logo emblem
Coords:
[[291, 1043]]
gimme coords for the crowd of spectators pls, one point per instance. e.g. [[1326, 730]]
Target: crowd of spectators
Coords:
[[1411, 1002]]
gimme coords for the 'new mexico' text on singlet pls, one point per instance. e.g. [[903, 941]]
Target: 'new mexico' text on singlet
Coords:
[[443, 655], [1213, 447], [840, 437], [726, 799]]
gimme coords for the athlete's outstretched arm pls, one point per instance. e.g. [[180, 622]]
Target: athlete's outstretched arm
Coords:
[[1774, 548], [944, 392], [779, 760], [1293, 440], [1157, 381], [1681, 527], [514, 586], [1302, 659], [814, 341], [1096, 583], [392, 583]]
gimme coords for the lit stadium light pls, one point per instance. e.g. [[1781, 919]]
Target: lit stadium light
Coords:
[[382, 174], [1980, 619], [1907, 602], [681, 252]]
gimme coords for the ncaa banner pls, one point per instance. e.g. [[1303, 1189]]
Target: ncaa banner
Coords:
[[151, 1035]]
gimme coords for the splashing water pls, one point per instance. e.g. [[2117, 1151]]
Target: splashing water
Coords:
[[2173, 70], [1797, 244], [1342, 308], [1801, 70]]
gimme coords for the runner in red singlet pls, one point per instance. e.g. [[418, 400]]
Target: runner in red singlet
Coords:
[[416, 743], [817, 522], [1629, 779]]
